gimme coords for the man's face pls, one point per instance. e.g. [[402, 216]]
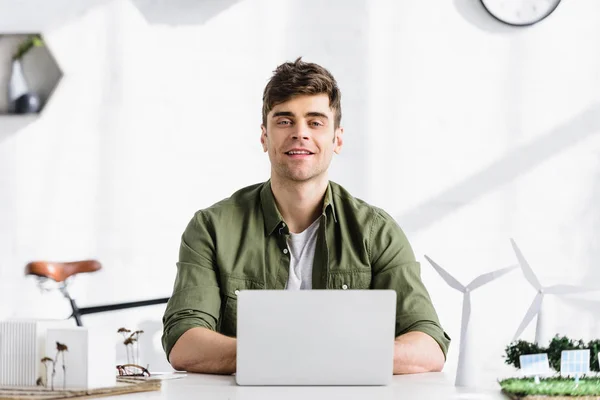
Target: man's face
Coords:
[[300, 137]]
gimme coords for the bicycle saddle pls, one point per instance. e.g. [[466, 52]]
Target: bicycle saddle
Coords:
[[61, 271]]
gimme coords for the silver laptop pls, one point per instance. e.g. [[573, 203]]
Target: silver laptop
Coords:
[[315, 337]]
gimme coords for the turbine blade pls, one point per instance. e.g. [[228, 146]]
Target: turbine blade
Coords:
[[534, 308], [490, 276], [527, 271], [450, 280], [591, 306], [566, 289]]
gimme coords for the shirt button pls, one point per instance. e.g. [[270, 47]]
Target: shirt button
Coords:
[[344, 286], [236, 292], [283, 224], [285, 251]]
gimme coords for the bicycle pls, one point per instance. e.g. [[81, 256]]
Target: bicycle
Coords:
[[59, 272]]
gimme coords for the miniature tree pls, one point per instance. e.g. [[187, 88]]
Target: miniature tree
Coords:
[[521, 348], [125, 332], [137, 345], [556, 347], [131, 340], [554, 350], [128, 342], [60, 349], [45, 361], [594, 346]]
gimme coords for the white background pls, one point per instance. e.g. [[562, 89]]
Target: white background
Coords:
[[468, 132]]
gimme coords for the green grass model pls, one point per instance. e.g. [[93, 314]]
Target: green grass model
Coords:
[[555, 386], [587, 387]]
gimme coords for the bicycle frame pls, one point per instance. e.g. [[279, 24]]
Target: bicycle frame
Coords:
[[79, 312]]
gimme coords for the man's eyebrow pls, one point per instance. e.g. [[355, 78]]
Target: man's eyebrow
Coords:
[[308, 114], [316, 114], [283, 114]]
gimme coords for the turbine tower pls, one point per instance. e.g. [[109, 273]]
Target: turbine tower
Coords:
[[467, 367], [541, 334]]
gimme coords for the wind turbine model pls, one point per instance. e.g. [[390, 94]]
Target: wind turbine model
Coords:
[[536, 306], [466, 370]]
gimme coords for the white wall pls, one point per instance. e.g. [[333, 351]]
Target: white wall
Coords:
[[468, 132]]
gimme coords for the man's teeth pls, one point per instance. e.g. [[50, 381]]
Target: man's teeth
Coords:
[[298, 152]]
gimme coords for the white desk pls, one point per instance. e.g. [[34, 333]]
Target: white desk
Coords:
[[438, 386]]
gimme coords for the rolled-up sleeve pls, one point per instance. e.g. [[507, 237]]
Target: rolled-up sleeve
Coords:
[[395, 267], [196, 300]]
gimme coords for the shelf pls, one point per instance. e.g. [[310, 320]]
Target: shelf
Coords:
[[182, 12], [11, 123], [27, 83]]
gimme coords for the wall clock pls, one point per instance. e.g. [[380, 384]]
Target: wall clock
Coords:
[[520, 12]]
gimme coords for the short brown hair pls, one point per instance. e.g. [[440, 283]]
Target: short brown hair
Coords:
[[301, 78]]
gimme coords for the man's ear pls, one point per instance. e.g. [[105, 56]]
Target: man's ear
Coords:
[[263, 138], [338, 140]]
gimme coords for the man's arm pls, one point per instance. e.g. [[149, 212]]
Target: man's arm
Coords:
[[190, 339], [416, 352], [421, 344], [204, 351]]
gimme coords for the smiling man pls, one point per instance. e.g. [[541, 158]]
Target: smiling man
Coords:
[[296, 231]]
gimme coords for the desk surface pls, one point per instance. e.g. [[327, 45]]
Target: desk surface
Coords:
[[419, 386]]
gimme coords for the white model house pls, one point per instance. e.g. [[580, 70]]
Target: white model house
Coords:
[[21, 344], [90, 360]]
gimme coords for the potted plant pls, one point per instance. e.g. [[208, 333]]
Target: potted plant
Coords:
[[22, 100]]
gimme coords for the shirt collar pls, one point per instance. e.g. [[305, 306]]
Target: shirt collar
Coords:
[[273, 218], [328, 202]]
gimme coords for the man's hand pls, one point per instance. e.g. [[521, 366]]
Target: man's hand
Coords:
[[204, 351], [416, 352]]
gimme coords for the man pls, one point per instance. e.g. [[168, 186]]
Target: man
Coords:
[[296, 231]]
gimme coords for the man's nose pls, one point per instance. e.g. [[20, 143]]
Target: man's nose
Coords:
[[302, 131]]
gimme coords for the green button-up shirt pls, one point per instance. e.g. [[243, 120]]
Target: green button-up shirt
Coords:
[[240, 243]]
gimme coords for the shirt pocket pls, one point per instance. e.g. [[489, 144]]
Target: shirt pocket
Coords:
[[231, 286], [350, 280]]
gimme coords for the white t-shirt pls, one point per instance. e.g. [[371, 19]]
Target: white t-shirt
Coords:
[[302, 254]]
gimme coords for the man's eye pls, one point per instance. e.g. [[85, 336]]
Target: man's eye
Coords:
[[316, 123], [284, 122]]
